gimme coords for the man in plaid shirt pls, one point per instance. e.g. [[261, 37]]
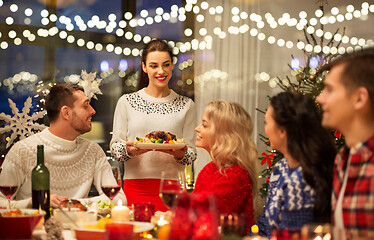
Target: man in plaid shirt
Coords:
[[348, 104]]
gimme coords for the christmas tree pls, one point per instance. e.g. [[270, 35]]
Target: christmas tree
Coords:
[[308, 80]]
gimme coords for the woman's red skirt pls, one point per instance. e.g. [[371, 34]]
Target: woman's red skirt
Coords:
[[144, 190]]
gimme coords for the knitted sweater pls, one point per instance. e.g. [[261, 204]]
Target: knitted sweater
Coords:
[[232, 190], [138, 114], [73, 166], [290, 200]]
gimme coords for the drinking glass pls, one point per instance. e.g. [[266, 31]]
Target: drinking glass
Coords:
[[206, 217], [317, 231], [182, 222], [143, 211], [8, 187], [109, 187], [119, 231], [172, 183], [233, 225]]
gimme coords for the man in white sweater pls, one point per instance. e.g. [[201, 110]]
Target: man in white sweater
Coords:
[[74, 163]]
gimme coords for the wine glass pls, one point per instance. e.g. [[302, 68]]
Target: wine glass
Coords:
[[206, 217], [8, 187], [173, 182], [110, 187]]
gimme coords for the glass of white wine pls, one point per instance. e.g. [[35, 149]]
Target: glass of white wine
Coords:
[[173, 182]]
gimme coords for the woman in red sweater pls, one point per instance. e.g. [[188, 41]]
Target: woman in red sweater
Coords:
[[225, 132]]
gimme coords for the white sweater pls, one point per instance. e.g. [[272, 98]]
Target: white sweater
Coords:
[[138, 114], [73, 166]]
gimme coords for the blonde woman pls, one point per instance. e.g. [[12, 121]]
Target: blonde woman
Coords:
[[226, 133]]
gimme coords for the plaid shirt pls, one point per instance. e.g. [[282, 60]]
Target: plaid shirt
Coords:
[[358, 201]]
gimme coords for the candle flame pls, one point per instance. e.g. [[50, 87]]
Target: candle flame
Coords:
[[119, 203], [327, 237], [318, 229], [318, 238], [162, 221]]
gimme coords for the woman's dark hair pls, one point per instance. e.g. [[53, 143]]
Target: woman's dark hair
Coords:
[[153, 46], [309, 144]]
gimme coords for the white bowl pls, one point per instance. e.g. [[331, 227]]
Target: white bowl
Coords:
[[78, 216]]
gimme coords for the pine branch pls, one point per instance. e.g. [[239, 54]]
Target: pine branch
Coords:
[[331, 42], [261, 111], [306, 36], [340, 42], [313, 38]]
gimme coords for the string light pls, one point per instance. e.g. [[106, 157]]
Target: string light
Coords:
[[177, 13], [13, 8]]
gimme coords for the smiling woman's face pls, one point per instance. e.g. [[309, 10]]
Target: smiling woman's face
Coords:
[[159, 67], [274, 133], [203, 130]]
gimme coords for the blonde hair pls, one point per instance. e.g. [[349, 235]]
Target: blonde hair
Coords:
[[231, 142]]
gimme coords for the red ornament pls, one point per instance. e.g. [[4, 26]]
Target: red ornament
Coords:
[[267, 158], [338, 134]]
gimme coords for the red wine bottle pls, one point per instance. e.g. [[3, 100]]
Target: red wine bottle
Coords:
[[40, 184]]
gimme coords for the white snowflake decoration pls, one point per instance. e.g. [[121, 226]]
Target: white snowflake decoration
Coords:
[[21, 124], [89, 84]]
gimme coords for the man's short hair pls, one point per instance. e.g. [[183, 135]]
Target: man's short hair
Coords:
[[60, 95], [358, 71]]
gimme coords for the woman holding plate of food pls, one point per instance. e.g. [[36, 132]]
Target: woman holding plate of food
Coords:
[[154, 107]]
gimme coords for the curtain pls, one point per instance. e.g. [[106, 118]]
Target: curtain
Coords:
[[227, 70]]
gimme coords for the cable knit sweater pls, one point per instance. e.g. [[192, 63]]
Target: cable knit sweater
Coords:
[[138, 114], [73, 166], [232, 189], [290, 201]]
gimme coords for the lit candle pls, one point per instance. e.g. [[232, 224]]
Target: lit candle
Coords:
[[120, 213], [162, 221]]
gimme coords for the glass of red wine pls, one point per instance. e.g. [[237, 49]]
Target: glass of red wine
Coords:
[[110, 187], [173, 183], [8, 187]]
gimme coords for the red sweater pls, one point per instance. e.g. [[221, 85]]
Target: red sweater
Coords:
[[232, 189]]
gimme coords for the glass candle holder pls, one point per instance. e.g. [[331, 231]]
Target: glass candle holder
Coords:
[[317, 231], [233, 225], [119, 231], [143, 211]]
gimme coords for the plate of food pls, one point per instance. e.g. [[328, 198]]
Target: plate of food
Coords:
[[19, 223], [96, 230], [159, 140]]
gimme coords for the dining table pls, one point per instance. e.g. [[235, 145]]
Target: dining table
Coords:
[[69, 234], [141, 230], [40, 234]]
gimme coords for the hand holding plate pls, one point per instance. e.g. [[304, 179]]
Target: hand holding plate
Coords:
[[133, 150], [177, 153]]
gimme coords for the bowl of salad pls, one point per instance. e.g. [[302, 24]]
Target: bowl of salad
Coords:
[[19, 223], [104, 208]]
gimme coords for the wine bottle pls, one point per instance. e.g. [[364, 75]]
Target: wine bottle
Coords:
[[40, 184]]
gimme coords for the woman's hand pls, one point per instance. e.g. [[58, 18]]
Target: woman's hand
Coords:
[[177, 153], [132, 150]]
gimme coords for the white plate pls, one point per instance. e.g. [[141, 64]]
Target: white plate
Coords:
[[142, 226], [138, 227], [160, 145]]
